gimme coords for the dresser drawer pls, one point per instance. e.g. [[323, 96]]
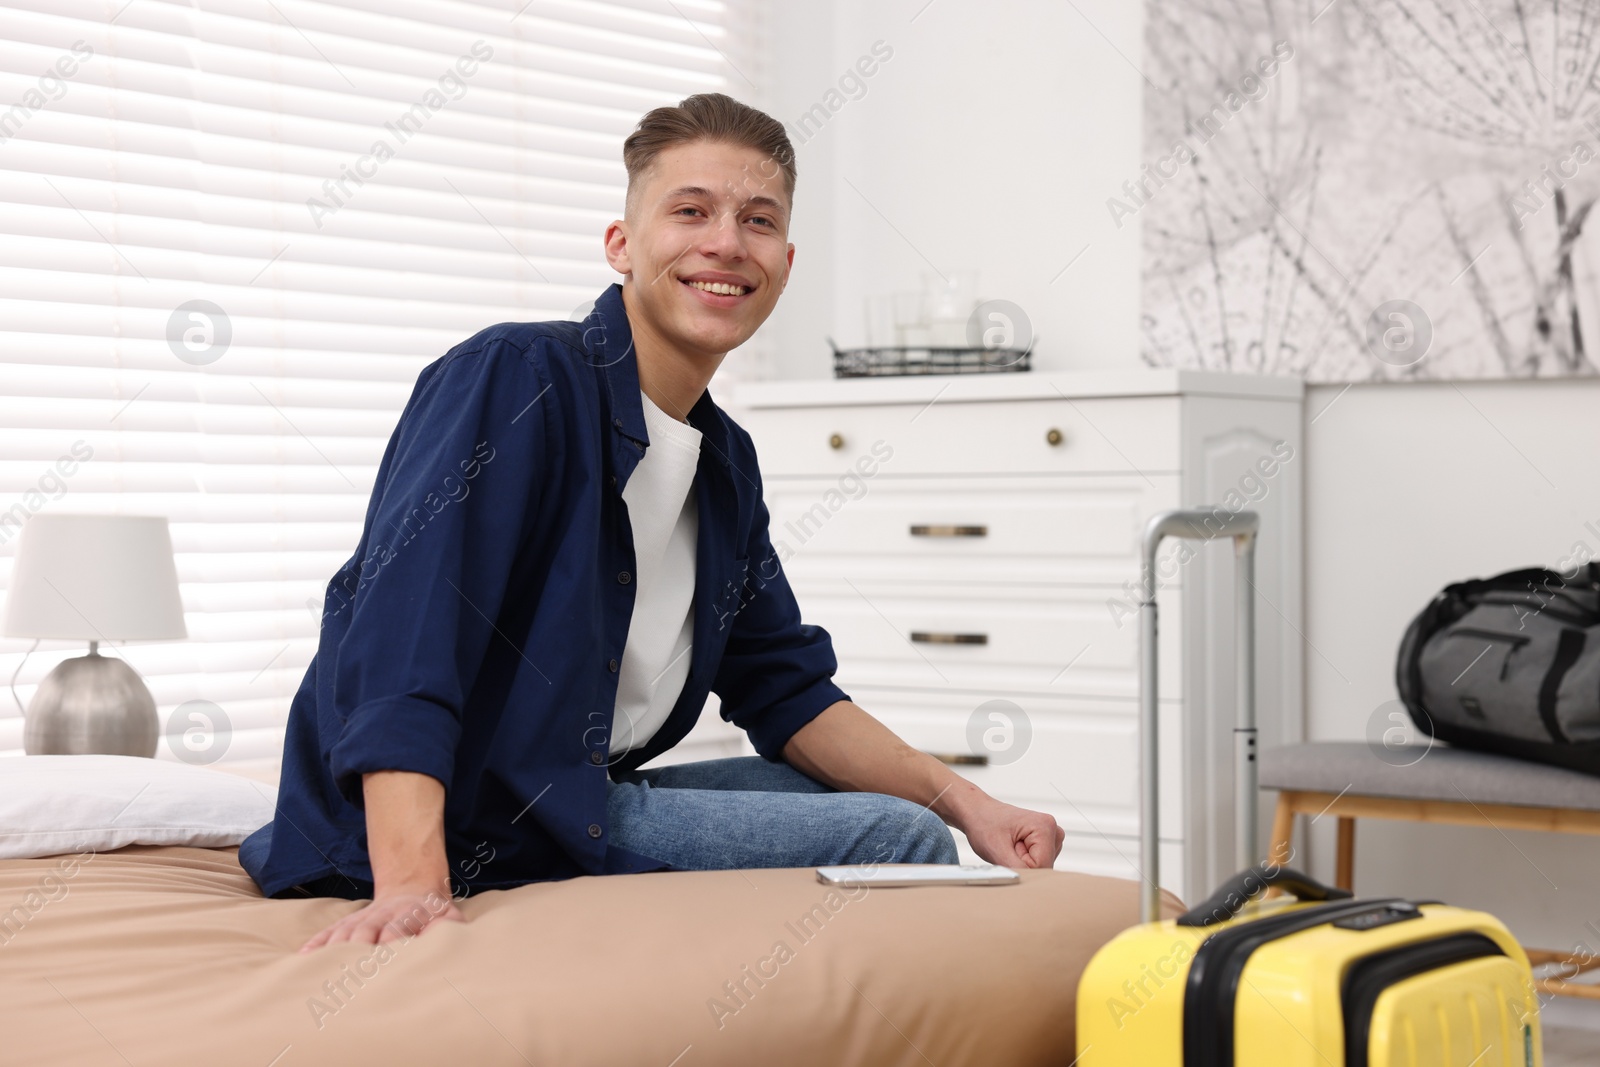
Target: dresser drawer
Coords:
[[1064, 640], [1080, 755], [1108, 435], [1076, 529]]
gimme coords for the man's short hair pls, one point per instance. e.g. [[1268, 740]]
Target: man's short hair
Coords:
[[709, 117]]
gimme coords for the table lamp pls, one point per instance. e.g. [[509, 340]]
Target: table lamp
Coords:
[[93, 578]]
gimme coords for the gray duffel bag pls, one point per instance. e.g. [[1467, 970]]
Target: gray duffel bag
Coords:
[[1510, 664]]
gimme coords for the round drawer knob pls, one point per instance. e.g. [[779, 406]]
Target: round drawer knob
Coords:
[[1054, 436], [836, 441]]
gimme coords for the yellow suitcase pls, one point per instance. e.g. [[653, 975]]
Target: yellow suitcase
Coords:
[[1319, 980]]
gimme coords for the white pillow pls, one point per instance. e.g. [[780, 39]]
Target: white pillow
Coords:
[[54, 805]]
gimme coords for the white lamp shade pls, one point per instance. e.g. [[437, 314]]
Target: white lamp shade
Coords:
[[95, 578]]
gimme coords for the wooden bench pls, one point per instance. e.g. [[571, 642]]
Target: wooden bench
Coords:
[[1352, 780]]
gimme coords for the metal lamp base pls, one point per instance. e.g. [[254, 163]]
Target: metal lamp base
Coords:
[[88, 705]]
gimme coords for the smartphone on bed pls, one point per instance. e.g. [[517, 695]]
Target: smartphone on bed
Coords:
[[904, 874]]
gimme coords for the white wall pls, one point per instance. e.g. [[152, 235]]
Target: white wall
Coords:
[[990, 140], [1410, 487]]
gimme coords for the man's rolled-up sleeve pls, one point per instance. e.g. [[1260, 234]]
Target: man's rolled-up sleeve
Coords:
[[461, 484], [776, 673]]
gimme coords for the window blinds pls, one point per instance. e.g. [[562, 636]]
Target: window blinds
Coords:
[[232, 232]]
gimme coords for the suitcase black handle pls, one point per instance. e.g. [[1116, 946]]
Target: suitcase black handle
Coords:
[[1226, 902]]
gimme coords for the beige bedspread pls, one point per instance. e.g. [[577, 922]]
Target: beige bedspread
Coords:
[[170, 956]]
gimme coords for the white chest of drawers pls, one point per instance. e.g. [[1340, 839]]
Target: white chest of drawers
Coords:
[[971, 543]]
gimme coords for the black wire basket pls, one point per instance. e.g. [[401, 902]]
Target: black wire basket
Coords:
[[906, 360]]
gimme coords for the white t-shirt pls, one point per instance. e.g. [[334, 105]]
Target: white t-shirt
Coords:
[[666, 526]]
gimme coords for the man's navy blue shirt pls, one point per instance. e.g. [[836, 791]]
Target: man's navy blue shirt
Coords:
[[476, 633]]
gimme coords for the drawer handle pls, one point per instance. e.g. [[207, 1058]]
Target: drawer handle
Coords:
[[836, 441], [923, 637], [1054, 436], [960, 759], [949, 531]]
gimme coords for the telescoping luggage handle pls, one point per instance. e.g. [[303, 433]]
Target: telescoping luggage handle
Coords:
[[1204, 524]]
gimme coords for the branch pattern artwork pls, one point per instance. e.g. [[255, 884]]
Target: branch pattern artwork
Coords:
[[1363, 190]]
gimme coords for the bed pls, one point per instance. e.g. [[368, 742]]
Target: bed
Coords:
[[169, 955]]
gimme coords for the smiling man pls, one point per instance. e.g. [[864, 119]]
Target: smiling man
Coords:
[[565, 552]]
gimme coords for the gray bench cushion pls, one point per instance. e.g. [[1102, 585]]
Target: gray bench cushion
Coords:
[[1444, 773]]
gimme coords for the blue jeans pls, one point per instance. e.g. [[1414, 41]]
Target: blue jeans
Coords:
[[745, 811]]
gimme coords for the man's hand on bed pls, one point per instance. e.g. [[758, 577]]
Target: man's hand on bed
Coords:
[[411, 877], [1012, 836], [400, 914]]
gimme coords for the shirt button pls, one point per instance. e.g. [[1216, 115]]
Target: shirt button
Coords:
[[594, 829], [624, 577], [612, 666], [617, 423], [613, 481], [596, 758]]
